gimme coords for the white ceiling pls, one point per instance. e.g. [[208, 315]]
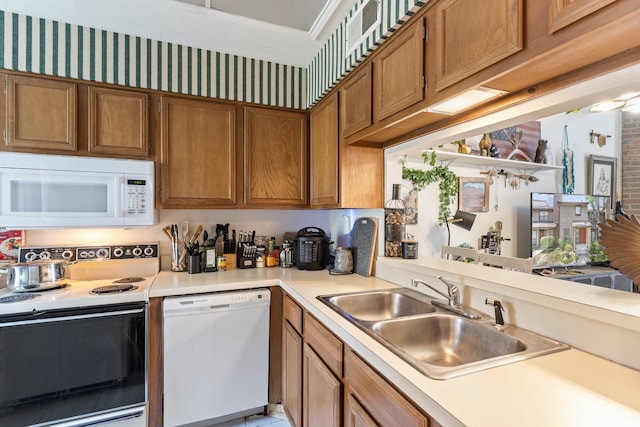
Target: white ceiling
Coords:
[[297, 14]]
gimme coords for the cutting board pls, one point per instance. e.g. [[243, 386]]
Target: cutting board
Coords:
[[364, 235]]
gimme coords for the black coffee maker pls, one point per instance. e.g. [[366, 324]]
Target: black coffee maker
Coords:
[[311, 249]]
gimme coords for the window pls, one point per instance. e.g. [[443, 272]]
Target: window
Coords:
[[578, 210]]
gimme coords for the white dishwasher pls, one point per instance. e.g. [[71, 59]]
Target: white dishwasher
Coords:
[[216, 356]]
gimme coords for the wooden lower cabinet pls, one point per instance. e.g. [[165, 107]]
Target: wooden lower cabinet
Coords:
[[355, 415], [381, 401], [322, 392], [292, 360], [327, 384]]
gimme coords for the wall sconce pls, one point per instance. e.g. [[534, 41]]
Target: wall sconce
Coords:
[[463, 219]]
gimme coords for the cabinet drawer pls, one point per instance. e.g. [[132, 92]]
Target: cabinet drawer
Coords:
[[325, 344], [383, 402], [292, 313]]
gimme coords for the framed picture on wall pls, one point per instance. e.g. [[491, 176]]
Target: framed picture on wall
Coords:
[[602, 177], [473, 194]]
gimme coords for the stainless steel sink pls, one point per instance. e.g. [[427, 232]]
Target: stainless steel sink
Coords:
[[378, 305], [438, 343], [447, 340]]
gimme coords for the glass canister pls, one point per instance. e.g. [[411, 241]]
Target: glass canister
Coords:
[[286, 254], [394, 223], [343, 262]]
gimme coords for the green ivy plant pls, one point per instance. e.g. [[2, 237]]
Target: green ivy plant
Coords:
[[446, 178]]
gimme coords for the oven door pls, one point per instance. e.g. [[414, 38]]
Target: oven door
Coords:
[[61, 365]]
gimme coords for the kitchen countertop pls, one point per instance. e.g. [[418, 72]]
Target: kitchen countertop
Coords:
[[569, 388]]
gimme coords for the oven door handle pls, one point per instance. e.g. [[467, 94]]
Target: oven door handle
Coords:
[[99, 420], [65, 318]]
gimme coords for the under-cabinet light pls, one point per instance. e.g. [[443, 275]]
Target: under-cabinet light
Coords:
[[601, 107], [464, 100], [632, 105]]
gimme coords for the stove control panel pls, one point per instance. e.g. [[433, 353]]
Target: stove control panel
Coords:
[[89, 253]]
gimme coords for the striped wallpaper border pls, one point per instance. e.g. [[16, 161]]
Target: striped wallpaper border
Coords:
[[58, 49], [331, 63]]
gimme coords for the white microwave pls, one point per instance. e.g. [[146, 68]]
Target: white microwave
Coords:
[[50, 191]]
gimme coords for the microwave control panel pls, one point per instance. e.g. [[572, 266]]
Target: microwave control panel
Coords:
[[136, 196], [89, 253]]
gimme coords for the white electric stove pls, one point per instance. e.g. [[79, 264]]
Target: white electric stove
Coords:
[[97, 275], [91, 332]]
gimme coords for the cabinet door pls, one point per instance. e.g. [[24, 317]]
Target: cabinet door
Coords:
[[355, 101], [41, 114], [292, 374], [198, 153], [563, 12], [322, 392], [356, 415], [118, 122], [472, 35], [275, 150], [361, 177], [323, 154], [398, 72], [379, 398]]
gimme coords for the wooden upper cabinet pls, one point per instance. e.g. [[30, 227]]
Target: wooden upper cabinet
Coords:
[[198, 153], [41, 114], [275, 157], [323, 154], [355, 101], [566, 12], [471, 35], [398, 72], [118, 122]]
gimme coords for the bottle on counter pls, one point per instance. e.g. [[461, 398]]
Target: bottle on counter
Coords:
[[394, 223], [271, 258]]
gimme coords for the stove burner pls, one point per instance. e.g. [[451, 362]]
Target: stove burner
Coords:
[[130, 280], [16, 298], [113, 289]]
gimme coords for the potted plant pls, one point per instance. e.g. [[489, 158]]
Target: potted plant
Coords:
[[447, 183]]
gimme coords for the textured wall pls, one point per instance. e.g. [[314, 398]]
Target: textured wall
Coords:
[[58, 49], [631, 163]]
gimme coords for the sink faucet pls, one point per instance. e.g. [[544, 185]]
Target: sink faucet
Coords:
[[452, 296], [453, 293]]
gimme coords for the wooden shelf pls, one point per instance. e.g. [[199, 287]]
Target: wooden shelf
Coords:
[[490, 162]]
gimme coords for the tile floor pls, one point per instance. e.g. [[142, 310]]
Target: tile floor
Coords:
[[256, 421], [276, 418]]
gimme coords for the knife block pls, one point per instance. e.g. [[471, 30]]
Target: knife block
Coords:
[[246, 255]]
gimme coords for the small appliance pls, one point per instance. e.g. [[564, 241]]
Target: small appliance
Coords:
[[312, 249], [48, 191]]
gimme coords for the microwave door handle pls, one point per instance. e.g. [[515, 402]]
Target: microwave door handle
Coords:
[[120, 202]]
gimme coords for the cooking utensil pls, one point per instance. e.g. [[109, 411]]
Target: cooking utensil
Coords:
[[37, 275]]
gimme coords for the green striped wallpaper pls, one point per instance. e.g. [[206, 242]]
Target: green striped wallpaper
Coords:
[[58, 49], [49, 47], [331, 64]]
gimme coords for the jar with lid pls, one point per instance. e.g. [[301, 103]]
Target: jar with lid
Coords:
[[394, 223]]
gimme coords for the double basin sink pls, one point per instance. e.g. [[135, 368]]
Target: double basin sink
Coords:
[[436, 342]]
